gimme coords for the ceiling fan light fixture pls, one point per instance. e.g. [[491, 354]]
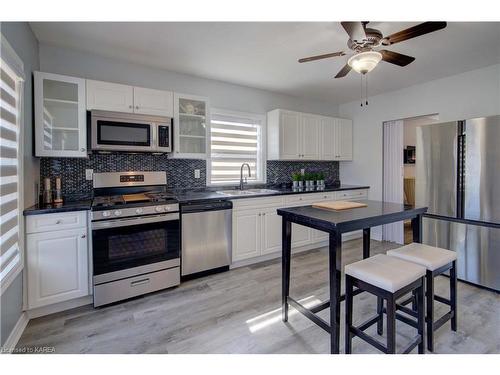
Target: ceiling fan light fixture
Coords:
[[365, 62]]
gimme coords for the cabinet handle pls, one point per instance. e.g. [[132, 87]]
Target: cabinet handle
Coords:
[[136, 107], [58, 222], [260, 214], [139, 282], [84, 235], [264, 214], [82, 149], [130, 106]]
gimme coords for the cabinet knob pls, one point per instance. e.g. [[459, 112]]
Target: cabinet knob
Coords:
[[84, 235], [58, 222], [82, 149], [136, 107], [264, 214], [260, 214], [130, 106]]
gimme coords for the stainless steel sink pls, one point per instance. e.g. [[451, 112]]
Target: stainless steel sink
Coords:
[[246, 192]]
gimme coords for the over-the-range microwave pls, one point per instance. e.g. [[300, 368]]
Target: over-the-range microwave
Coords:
[[129, 132]]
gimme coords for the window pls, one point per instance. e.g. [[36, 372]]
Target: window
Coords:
[[236, 138], [10, 119]]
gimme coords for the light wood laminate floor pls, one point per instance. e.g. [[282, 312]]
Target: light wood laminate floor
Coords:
[[239, 312]]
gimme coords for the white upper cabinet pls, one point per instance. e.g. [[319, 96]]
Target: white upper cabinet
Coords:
[[289, 135], [336, 139], [344, 139], [304, 136], [310, 129], [153, 102], [60, 118], [109, 96], [191, 117]]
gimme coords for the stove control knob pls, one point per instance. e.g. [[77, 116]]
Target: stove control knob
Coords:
[[158, 208], [106, 213], [139, 211], [118, 212]]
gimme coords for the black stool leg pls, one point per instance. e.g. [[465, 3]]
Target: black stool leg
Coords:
[[348, 314], [414, 300], [380, 312], [421, 317], [453, 295], [429, 282], [391, 325]]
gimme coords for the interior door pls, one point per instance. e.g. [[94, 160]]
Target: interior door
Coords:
[[290, 135], [309, 134]]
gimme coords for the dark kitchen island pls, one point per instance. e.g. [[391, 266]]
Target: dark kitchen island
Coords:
[[336, 223]]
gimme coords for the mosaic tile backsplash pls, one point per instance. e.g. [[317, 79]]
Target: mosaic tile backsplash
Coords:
[[180, 172], [279, 171]]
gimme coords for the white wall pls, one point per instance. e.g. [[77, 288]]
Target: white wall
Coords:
[[467, 95], [61, 60]]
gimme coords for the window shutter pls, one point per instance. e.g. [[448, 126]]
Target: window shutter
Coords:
[[235, 140], [10, 256]]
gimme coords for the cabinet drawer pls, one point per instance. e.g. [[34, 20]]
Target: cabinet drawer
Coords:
[[247, 203], [352, 194], [56, 221], [308, 198], [135, 286]]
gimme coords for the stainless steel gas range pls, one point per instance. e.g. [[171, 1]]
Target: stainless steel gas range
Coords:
[[135, 236]]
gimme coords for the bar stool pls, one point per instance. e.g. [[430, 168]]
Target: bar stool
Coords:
[[436, 261], [387, 278]]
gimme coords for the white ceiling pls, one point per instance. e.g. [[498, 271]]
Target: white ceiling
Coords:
[[264, 55]]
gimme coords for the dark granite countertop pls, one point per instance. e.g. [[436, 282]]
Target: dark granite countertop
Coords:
[[375, 213], [186, 196], [66, 206]]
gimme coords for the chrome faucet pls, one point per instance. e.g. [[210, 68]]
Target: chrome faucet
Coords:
[[242, 183]]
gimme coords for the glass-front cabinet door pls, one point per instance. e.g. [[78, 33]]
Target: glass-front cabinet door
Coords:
[[60, 116], [190, 126]]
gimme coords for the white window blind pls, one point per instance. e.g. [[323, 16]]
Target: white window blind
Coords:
[[10, 113], [235, 138]]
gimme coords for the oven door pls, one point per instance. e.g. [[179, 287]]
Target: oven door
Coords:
[[124, 247], [122, 134]]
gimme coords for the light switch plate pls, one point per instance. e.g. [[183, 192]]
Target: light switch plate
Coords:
[[196, 173], [89, 174]]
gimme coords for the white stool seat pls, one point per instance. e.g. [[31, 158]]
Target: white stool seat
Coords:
[[428, 256], [385, 272]]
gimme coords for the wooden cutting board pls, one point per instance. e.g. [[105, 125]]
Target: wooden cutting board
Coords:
[[135, 197], [339, 205]]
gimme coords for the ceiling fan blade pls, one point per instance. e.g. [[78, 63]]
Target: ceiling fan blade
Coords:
[[356, 30], [319, 57], [343, 72], [396, 58], [413, 32]]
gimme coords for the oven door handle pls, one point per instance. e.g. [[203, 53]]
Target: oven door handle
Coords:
[[105, 224]]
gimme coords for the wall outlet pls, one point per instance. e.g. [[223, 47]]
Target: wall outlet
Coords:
[[89, 174], [303, 171], [196, 173]]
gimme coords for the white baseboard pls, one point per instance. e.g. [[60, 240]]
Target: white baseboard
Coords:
[[16, 333], [57, 307]]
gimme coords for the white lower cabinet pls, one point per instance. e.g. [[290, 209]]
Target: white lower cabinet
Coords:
[[57, 265], [246, 234], [257, 226]]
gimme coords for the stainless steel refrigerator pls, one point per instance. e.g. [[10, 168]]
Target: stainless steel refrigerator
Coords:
[[458, 178]]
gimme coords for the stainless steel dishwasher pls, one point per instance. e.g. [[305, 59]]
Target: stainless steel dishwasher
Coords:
[[206, 237]]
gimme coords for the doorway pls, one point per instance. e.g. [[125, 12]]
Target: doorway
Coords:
[[399, 157]]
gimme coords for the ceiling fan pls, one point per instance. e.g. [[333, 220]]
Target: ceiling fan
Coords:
[[363, 41]]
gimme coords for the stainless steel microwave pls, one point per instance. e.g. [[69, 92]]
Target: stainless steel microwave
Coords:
[[129, 132]]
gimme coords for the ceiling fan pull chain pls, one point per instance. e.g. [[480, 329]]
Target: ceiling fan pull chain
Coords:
[[361, 87], [366, 90]]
